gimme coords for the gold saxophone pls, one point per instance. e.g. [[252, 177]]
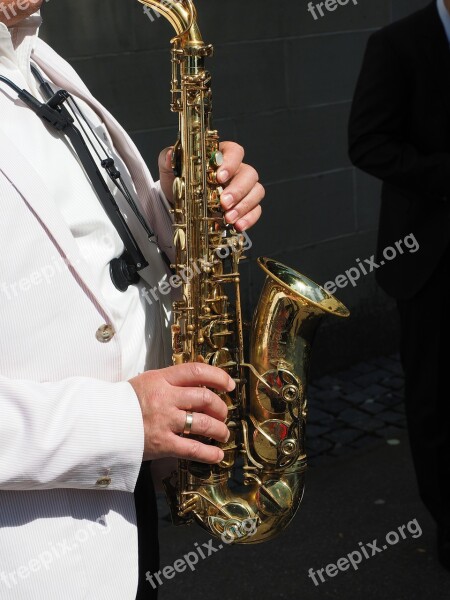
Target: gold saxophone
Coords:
[[255, 491]]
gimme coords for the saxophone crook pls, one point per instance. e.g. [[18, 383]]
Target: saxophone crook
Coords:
[[255, 491]]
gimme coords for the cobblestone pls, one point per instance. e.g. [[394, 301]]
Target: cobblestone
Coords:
[[391, 417], [337, 407], [318, 446], [343, 436], [318, 416], [372, 407], [369, 378], [358, 397], [374, 391], [348, 387], [356, 408], [326, 383], [393, 383], [315, 431], [369, 424], [326, 395], [350, 415], [390, 431], [391, 399]]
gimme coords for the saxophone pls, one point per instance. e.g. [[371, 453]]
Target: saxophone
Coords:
[[255, 491]]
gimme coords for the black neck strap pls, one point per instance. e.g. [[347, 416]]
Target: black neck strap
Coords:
[[124, 270]]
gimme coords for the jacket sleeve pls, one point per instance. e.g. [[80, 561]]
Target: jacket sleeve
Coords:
[[378, 127], [69, 434]]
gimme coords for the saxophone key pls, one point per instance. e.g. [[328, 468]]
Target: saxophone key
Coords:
[[216, 159], [212, 177]]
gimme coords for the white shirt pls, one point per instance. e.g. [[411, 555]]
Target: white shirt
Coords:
[[72, 193]]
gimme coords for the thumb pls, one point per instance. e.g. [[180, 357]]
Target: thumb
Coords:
[[166, 175], [165, 160]]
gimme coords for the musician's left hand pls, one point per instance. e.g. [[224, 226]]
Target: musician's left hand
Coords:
[[242, 191]]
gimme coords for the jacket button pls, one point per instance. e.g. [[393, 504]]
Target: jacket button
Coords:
[[105, 333], [103, 481]]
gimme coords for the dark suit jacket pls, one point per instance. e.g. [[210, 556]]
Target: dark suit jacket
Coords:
[[399, 131]]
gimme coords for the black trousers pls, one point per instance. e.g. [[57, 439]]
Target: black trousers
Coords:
[[425, 326], [147, 525]]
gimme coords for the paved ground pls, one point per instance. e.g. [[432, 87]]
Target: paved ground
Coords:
[[354, 408], [360, 488], [350, 500]]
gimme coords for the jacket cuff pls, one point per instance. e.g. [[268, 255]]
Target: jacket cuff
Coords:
[[112, 440]]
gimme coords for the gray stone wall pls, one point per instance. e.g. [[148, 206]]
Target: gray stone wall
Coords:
[[283, 84]]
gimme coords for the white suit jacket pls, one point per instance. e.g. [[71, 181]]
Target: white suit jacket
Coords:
[[67, 420]]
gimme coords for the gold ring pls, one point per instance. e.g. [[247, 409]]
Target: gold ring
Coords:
[[188, 423]]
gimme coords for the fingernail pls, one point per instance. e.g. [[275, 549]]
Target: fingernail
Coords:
[[228, 436], [232, 215], [226, 200], [241, 225], [223, 176], [221, 456]]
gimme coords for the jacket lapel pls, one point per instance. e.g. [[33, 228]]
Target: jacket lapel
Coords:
[[35, 194]]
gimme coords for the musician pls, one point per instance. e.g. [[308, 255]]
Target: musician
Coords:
[[86, 396], [400, 132]]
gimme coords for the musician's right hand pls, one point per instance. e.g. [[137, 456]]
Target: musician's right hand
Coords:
[[165, 395]]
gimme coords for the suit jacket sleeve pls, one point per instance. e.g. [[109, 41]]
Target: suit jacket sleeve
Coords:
[[378, 128], [69, 434]]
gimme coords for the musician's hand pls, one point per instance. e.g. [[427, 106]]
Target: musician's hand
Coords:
[[166, 394], [166, 176], [242, 191]]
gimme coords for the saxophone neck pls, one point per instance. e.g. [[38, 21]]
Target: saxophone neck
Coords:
[[182, 15]]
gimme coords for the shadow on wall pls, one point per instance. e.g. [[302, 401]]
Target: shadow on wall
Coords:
[[283, 83]]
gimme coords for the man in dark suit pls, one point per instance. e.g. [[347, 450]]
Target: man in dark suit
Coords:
[[399, 131]]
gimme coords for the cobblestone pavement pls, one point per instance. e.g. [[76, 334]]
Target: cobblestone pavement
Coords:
[[355, 408]]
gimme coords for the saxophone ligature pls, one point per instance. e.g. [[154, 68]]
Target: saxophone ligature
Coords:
[[255, 491]]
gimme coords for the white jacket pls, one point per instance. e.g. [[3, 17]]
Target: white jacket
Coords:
[[67, 419]]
